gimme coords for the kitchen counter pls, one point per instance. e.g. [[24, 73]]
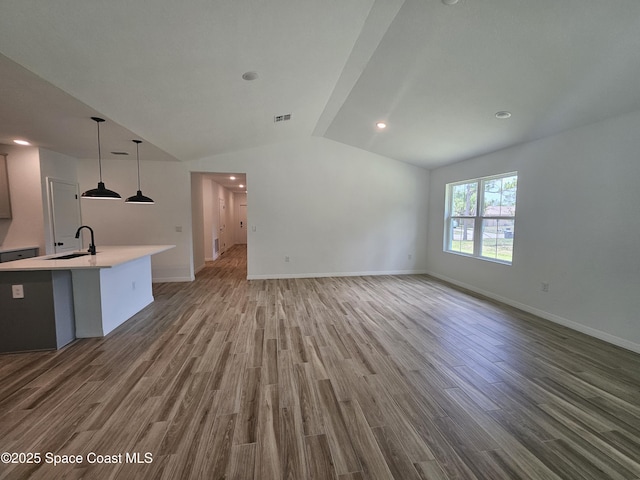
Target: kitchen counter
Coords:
[[106, 257], [48, 302]]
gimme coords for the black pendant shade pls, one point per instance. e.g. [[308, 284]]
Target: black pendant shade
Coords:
[[139, 197], [102, 192]]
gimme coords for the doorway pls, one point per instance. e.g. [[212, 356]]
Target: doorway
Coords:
[[241, 223], [218, 205], [64, 201]]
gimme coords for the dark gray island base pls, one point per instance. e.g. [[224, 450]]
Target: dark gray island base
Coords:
[[44, 324]]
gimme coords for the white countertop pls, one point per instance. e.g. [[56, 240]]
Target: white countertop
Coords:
[[106, 257]]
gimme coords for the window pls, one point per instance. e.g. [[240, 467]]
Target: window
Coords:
[[481, 216]]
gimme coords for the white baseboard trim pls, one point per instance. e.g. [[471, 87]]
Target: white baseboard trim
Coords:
[[172, 279], [565, 322], [279, 276]]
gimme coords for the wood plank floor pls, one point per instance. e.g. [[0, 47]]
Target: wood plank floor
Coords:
[[331, 378]]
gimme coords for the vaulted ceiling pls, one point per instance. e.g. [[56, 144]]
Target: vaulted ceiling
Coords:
[[171, 73]]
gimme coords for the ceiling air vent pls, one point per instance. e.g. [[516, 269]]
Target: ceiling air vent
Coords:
[[282, 118]]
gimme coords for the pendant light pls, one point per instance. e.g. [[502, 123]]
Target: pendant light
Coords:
[[139, 197], [101, 193]]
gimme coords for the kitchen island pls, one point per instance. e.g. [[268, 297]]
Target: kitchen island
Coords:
[[46, 302]]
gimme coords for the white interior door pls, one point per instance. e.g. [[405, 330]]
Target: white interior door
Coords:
[[65, 215], [242, 224]]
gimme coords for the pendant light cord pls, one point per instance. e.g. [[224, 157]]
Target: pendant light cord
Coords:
[[138, 142], [98, 120], [138, 160], [99, 153]]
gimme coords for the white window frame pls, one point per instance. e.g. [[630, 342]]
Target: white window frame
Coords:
[[478, 218]]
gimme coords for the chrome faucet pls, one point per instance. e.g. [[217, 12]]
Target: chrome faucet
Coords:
[[92, 245]]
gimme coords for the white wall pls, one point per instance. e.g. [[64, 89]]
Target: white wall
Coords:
[[227, 240], [577, 228], [205, 195], [118, 223], [332, 209], [217, 191], [209, 214], [197, 193], [26, 228]]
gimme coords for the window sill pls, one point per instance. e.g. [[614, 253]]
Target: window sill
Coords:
[[484, 259]]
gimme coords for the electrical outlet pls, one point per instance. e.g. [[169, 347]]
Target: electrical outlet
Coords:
[[544, 286], [287, 259], [133, 285], [410, 256], [17, 291]]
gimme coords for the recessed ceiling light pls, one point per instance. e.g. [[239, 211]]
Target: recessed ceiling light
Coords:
[[249, 76], [381, 125], [232, 178], [449, 2], [241, 186], [21, 142], [503, 114]]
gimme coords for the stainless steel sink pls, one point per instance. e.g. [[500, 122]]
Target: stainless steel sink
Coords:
[[69, 255]]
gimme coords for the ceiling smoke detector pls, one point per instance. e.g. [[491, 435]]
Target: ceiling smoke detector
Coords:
[[282, 118]]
